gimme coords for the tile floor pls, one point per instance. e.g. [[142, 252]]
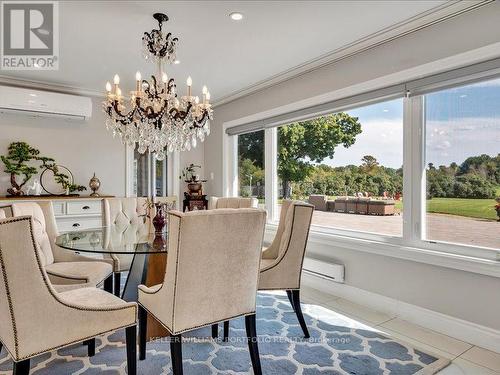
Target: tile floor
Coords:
[[466, 359]]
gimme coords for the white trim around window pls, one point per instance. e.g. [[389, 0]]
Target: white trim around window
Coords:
[[412, 245]]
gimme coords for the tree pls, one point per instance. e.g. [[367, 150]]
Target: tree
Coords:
[[370, 163], [301, 144]]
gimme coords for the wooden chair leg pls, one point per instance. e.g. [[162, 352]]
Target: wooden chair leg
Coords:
[[90, 347], [22, 368], [226, 331], [108, 284], [215, 331], [1, 345], [117, 286], [131, 338], [253, 345], [298, 312], [290, 298], [176, 354], [143, 328]]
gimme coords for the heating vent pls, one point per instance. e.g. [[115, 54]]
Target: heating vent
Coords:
[[330, 271]]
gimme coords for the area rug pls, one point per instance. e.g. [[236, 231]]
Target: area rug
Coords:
[[338, 345]]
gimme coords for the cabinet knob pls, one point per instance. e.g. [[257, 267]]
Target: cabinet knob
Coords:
[[76, 225], [85, 207]]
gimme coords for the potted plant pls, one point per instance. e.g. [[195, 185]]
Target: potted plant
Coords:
[[192, 179], [16, 163]]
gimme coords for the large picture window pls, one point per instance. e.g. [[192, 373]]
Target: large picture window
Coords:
[[251, 178], [462, 145], [414, 165], [349, 165]]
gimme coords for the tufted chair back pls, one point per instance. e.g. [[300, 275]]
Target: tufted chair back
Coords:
[[212, 269], [288, 247], [232, 202], [125, 212], [44, 226]]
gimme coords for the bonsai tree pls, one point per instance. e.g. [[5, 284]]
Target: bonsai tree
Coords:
[[19, 154], [188, 173]]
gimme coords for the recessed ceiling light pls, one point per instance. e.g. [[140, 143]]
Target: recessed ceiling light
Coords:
[[176, 62], [236, 16]]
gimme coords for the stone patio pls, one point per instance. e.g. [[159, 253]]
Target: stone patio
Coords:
[[446, 228]]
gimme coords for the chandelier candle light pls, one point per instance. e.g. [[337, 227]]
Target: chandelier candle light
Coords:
[[156, 120]]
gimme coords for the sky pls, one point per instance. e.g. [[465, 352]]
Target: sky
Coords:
[[460, 122]]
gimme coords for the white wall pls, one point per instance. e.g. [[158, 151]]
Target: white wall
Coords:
[[83, 147], [457, 293]]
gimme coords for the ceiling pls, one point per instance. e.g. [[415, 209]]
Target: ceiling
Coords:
[[101, 38]]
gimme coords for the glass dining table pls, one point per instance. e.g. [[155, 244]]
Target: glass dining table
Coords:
[[132, 247]]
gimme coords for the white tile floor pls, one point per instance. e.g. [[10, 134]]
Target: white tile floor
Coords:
[[466, 359]]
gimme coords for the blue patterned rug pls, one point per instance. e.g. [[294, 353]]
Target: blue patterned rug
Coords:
[[338, 345]]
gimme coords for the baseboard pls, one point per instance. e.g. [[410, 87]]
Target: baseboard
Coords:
[[460, 329]]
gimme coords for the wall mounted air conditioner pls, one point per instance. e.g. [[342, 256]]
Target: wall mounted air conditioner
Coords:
[[44, 103], [326, 270]]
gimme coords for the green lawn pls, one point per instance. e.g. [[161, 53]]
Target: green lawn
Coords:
[[478, 208]]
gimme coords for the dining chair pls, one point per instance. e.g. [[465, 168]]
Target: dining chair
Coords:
[[126, 216], [62, 266], [281, 265], [232, 202], [211, 276], [35, 318]]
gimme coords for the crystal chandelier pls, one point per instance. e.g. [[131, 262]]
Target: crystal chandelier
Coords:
[[155, 119]]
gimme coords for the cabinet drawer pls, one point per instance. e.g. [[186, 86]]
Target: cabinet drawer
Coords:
[[69, 224], [83, 207], [58, 208]]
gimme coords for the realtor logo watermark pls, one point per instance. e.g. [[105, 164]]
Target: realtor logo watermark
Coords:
[[30, 35]]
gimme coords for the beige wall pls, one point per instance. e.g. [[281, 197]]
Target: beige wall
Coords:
[[457, 293]]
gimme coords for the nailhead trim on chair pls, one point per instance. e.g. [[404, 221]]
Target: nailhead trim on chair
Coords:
[[288, 246], [9, 300], [175, 287], [49, 287]]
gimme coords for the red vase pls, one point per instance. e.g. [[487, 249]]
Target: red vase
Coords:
[[159, 219]]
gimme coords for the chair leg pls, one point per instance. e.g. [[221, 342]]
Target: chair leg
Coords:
[[176, 354], [226, 331], [253, 345], [90, 347], [22, 368], [1, 345], [117, 283], [131, 337], [108, 284], [143, 328], [215, 331], [290, 298], [298, 312]]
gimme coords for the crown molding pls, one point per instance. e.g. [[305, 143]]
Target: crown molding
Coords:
[[47, 86], [450, 9], [422, 20]]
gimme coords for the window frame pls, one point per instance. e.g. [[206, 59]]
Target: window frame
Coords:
[[477, 259]]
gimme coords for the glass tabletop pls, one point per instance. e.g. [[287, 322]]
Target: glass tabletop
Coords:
[[114, 240]]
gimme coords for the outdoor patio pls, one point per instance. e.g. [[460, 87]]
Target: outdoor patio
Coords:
[[447, 228]]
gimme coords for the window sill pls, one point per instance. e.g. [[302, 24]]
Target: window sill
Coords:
[[416, 254]]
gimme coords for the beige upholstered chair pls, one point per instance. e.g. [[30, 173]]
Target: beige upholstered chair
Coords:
[[232, 202], [127, 217], [35, 319], [281, 265], [211, 276], [62, 266]]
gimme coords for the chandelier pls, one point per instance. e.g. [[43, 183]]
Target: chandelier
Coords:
[[156, 119]]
